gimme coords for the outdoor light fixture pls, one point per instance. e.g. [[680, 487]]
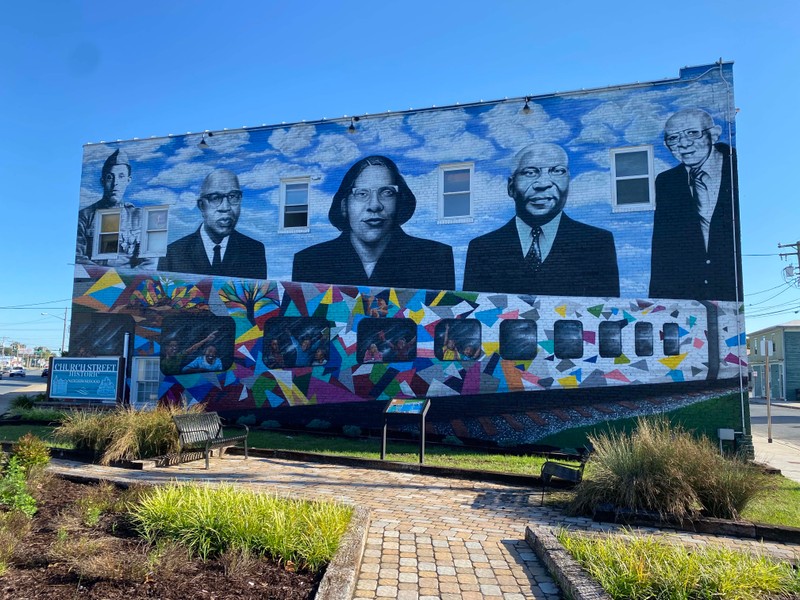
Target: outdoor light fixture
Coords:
[[203, 143], [526, 109], [352, 128]]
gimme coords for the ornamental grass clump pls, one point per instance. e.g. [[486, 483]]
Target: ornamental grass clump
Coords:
[[212, 521], [664, 469], [644, 567], [121, 434]]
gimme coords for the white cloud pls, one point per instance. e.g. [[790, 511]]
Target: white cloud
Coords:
[[188, 151], [511, 128], [334, 150], [224, 142], [88, 197], [159, 195], [591, 187], [270, 172], [291, 141], [446, 138], [181, 175], [387, 132]]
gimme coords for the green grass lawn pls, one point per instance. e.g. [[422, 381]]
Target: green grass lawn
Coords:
[[780, 506]]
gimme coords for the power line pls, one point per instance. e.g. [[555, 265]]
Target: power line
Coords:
[[35, 305]]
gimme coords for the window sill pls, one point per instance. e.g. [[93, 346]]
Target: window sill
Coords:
[[632, 208], [295, 230], [449, 220]]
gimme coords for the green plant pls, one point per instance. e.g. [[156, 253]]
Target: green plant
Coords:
[[13, 526], [269, 424], [122, 434], [23, 401], [210, 521], [31, 452], [319, 424], [634, 567], [452, 440], [13, 489], [44, 415], [665, 469], [352, 431]]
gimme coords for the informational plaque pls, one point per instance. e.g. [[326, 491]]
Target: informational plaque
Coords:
[[406, 407], [85, 379]]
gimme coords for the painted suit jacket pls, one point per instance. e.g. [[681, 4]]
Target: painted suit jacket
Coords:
[[244, 257]]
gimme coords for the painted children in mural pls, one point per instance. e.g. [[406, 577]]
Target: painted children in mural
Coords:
[[695, 249], [173, 359], [541, 250], [372, 203], [216, 248], [207, 361], [122, 228]]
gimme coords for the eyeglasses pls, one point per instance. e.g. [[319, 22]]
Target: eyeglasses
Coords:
[[690, 134], [387, 192], [214, 200], [535, 173]]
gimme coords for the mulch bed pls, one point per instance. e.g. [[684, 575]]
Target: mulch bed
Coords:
[[41, 568]]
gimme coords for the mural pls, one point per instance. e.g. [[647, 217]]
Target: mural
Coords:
[[571, 241], [574, 194]]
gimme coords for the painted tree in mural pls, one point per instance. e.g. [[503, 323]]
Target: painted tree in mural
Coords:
[[249, 297]]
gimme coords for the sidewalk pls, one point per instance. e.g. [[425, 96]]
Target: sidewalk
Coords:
[[33, 387], [781, 455]]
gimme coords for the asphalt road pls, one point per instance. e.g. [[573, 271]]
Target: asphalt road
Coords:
[[785, 422]]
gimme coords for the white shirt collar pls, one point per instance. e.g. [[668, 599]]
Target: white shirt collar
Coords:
[[208, 245], [546, 238]]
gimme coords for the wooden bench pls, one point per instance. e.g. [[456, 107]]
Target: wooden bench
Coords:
[[551, 469], [203, 432]]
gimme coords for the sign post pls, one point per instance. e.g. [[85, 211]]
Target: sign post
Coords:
[[406, 407]]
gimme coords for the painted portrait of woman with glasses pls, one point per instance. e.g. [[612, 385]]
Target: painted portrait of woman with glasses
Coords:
[[216, 248], [371, 205]]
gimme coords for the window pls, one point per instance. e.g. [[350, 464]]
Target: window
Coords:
[[107, 226], [144, 392], [386, 340], [196, 344], [643, 339], [154, 238], [294, 205], [455, 193], [518, 339], [458, 339], [568, 338], [672, 339], [610, 334], [633, 184]]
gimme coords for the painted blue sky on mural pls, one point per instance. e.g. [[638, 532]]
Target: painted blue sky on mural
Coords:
[[171, 170]]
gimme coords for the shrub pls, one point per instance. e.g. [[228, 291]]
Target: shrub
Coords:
[[269, 424], [212, 521], [665, 469], [644, 567], [31, 452], [452, 440], [44, 415], [13, 526], [122, 434], [23, 401], [13, 489], [353, 431], [319, 424]]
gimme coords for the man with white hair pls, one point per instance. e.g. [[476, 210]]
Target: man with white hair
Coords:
[[541, 250], [695, 238]]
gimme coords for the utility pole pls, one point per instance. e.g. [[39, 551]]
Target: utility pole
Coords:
[[792, 271]]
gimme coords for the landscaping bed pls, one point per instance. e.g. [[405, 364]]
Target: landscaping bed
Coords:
[[73, 549]]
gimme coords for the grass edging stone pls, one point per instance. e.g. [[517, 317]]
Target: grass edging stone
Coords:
[[339, 581], [571, 577], [739, 529]]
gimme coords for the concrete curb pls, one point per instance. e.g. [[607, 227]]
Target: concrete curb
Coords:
[[570, 575], [339, 581]]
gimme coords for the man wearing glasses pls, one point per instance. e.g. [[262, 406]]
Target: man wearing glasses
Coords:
[[695, 243], [216, 248], [541, 250]]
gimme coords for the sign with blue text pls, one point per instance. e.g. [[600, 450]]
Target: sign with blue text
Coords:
[[87, 379]]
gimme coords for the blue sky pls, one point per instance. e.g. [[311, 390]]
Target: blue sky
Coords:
[[77, 72]]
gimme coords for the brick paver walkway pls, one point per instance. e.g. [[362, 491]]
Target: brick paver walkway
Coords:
[[429, 537]]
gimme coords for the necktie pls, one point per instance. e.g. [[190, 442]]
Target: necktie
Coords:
[[699, 187], [534, 256], [215, 264]]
